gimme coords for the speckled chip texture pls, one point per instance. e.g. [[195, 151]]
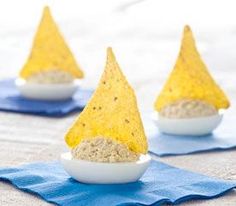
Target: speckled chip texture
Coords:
[[50, 51], [190, 79], [112, 112]]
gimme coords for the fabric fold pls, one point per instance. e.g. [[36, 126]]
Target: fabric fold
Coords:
[[160, 184]]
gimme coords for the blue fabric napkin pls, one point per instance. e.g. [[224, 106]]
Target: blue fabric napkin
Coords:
[[224, 137], [160, 184], [10, 100]]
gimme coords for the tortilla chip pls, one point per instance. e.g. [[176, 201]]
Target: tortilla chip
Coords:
[[112, 112], [190, 79], [50, 51]]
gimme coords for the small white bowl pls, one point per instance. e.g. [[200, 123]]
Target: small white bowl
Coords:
[[46, 91], [105, 173], [187, 127]]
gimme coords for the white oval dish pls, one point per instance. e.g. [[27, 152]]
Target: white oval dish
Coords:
[[187, 127], [104, 173], [46, 91]]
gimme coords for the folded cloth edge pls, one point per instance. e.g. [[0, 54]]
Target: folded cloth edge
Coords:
[[163, 201], [223, 148]]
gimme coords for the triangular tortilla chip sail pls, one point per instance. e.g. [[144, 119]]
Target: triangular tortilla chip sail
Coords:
[[112, 112], [190, 79], [50, 51]]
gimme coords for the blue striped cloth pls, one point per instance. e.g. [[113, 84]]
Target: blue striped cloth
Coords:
[[160, 184]]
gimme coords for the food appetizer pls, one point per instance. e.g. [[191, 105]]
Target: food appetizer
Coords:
[[107, 141], [191, 101], [51, 71]]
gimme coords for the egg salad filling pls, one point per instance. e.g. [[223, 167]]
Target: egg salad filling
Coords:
[[54, 76], [100, 149], [188, 109]]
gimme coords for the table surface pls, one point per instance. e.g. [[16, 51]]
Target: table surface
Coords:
[[146, 54]]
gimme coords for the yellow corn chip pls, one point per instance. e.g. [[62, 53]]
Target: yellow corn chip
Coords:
[[190, 79], [112, 112], [50, 51]]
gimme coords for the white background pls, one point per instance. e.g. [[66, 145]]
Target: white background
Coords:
[[145, 36]]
